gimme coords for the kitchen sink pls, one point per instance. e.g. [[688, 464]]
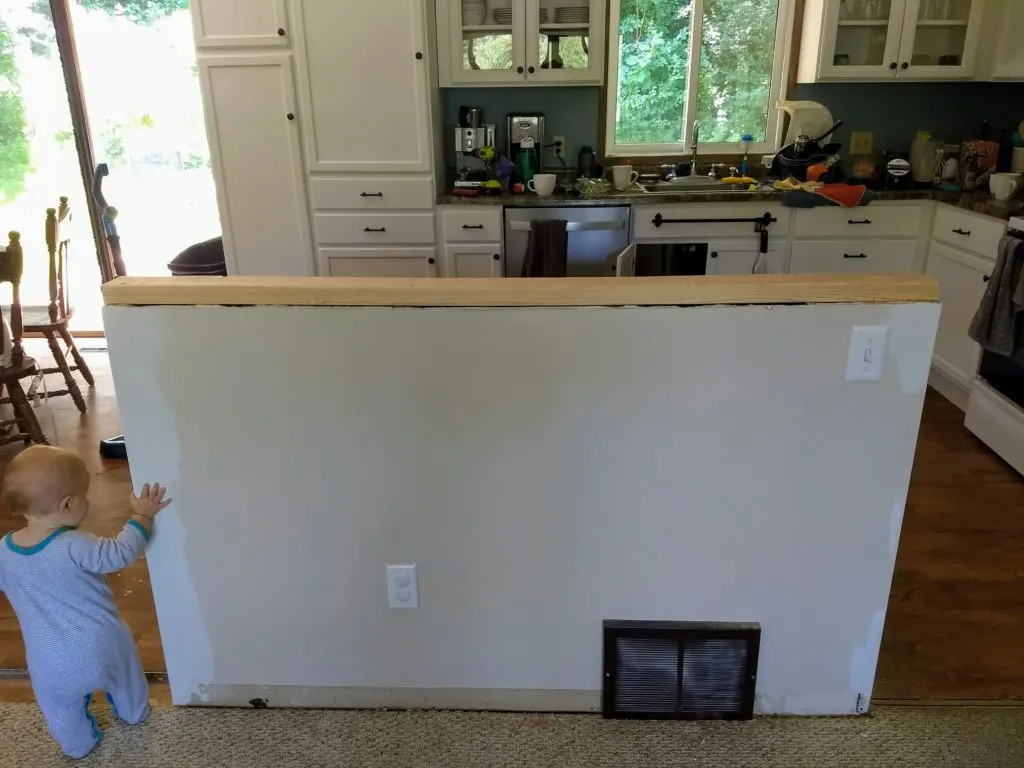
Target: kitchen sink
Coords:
[[686, 184]]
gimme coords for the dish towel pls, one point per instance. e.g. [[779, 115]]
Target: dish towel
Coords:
[[997, 323], [547, 251]]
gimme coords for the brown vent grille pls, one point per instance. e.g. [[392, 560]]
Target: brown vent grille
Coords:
[[680, 670]]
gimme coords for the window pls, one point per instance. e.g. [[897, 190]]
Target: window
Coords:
[[719, 63]]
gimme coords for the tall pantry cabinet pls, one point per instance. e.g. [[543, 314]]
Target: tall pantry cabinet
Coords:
[[319, 115]]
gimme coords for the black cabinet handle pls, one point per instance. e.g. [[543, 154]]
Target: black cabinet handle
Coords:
[[419, 56], [280, 32], [530, 70], [519, 70], [291, 115], [497, 257], [714, 254], [430, 260], [472, 226], [371, 194], [855, 255], [959, 231], [858, 221], [371, 229], [904, 65], [986, 278], [893, 65]]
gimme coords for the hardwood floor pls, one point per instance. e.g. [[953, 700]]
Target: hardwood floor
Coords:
[[954, 629]]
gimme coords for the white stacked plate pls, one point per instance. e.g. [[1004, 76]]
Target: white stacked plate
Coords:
[[544, 16], [502, 15], [474, 12], [572, 15]]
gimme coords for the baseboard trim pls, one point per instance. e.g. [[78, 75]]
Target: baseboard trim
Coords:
[[349, 697], [949, 389]]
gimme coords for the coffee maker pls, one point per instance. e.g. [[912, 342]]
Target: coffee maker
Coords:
[[474, 148], [530, 127]]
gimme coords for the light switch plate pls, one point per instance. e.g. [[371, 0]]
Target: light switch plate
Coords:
[[866, 359], [862, 143], [403, 588]]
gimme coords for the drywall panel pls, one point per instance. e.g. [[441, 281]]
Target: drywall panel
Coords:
[[544, 468]]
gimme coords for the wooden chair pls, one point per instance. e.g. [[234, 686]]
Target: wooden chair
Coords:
[[52, 321], [20, 367]]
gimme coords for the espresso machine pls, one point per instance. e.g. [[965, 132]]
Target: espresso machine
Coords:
[[474, 149]]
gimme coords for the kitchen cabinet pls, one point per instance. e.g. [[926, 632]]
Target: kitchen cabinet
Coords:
[[962, 278], [355, 262], [363, 81], [234, 24], [261, 188], [1009, 51], [909, 40], [737, 259], [853, 256], [472, 261], [521, 42]]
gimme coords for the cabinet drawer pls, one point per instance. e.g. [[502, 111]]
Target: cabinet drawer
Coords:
[[477, 225], [375, 228], [384, 262], [644, 216], [860, 256], [867, 221], [969, 231], [373, 192]]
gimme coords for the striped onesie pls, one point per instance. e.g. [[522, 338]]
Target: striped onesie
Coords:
[[75, 641]]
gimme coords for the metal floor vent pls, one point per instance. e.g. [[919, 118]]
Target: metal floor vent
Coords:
[[680, 670]]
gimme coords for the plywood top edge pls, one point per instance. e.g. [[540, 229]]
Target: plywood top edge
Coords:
[[506, 292]]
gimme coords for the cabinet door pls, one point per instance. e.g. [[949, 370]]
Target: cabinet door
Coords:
[[472, 260], [730, 260], [1009, 56], [962, 279], [565, 41], [863, 257], [940, 39], [625, 262], [355, 262], [861, 39], [228, 23], [481, 41], [363, 85], [260, 181]]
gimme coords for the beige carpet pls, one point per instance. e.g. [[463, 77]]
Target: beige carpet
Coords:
[[986, 737]]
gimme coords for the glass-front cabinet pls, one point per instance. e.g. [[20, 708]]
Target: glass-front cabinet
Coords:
[[891, 39], [521, 42]]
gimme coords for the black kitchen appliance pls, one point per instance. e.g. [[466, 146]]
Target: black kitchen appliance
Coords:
[[896, 171]]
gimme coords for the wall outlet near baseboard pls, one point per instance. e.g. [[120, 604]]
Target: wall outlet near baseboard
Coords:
[[862, 143], [403, 588]]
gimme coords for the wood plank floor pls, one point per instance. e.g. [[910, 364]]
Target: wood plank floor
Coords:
[[954, 629]]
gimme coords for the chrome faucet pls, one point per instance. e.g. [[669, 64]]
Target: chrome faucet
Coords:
[[694, 143]]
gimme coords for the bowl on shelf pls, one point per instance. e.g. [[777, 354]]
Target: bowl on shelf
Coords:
[[474, 12]]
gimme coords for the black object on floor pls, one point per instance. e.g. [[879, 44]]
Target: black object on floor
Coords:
[[113, 448], [206, 258]]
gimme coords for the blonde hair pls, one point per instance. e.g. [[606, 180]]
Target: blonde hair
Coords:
[[39, 478]]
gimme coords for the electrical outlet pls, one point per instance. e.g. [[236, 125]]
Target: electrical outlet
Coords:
[[862, 143], [403, 588], [556, 150]]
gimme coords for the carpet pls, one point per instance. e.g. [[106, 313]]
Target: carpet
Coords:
[[925, 737]]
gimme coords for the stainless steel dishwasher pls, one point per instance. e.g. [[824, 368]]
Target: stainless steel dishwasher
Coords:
[[597, 235]]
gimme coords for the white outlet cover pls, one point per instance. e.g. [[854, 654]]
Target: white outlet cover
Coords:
[[866, 359], [403, 587]]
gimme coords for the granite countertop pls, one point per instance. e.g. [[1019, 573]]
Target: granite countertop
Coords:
[[976, 202]]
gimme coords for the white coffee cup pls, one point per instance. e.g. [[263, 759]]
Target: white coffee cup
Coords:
[[624, 176], [543, 184], [1003, 185]]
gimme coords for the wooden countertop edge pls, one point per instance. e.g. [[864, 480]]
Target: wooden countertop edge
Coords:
[[505, 292]]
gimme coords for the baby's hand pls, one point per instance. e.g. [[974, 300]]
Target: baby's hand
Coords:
[[150, 501]]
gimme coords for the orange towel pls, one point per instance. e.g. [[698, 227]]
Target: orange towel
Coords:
[[844, 194]]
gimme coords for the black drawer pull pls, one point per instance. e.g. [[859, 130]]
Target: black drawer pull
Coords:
[[280, 32], [855, 255], [372, 229], [430, 260], [714, 254], [371, 194], [986, 278], [858, 221], [497, 257], [959, 231], [472, 226]]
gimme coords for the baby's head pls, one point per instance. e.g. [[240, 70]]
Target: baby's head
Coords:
[[47, 484]]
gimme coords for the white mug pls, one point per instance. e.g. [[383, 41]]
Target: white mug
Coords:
[[543, 184], [624, 176], [1003, 185]]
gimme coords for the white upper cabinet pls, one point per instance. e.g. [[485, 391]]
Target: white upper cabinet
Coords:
[[890, 40], [230, 23], [363, 84], [1004, 24], [521, 42]]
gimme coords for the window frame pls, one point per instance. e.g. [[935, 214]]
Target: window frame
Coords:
[[784, 37]]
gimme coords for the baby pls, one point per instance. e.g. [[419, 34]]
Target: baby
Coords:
[[54, 577]]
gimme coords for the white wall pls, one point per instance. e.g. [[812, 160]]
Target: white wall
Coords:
[[545, 468]]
